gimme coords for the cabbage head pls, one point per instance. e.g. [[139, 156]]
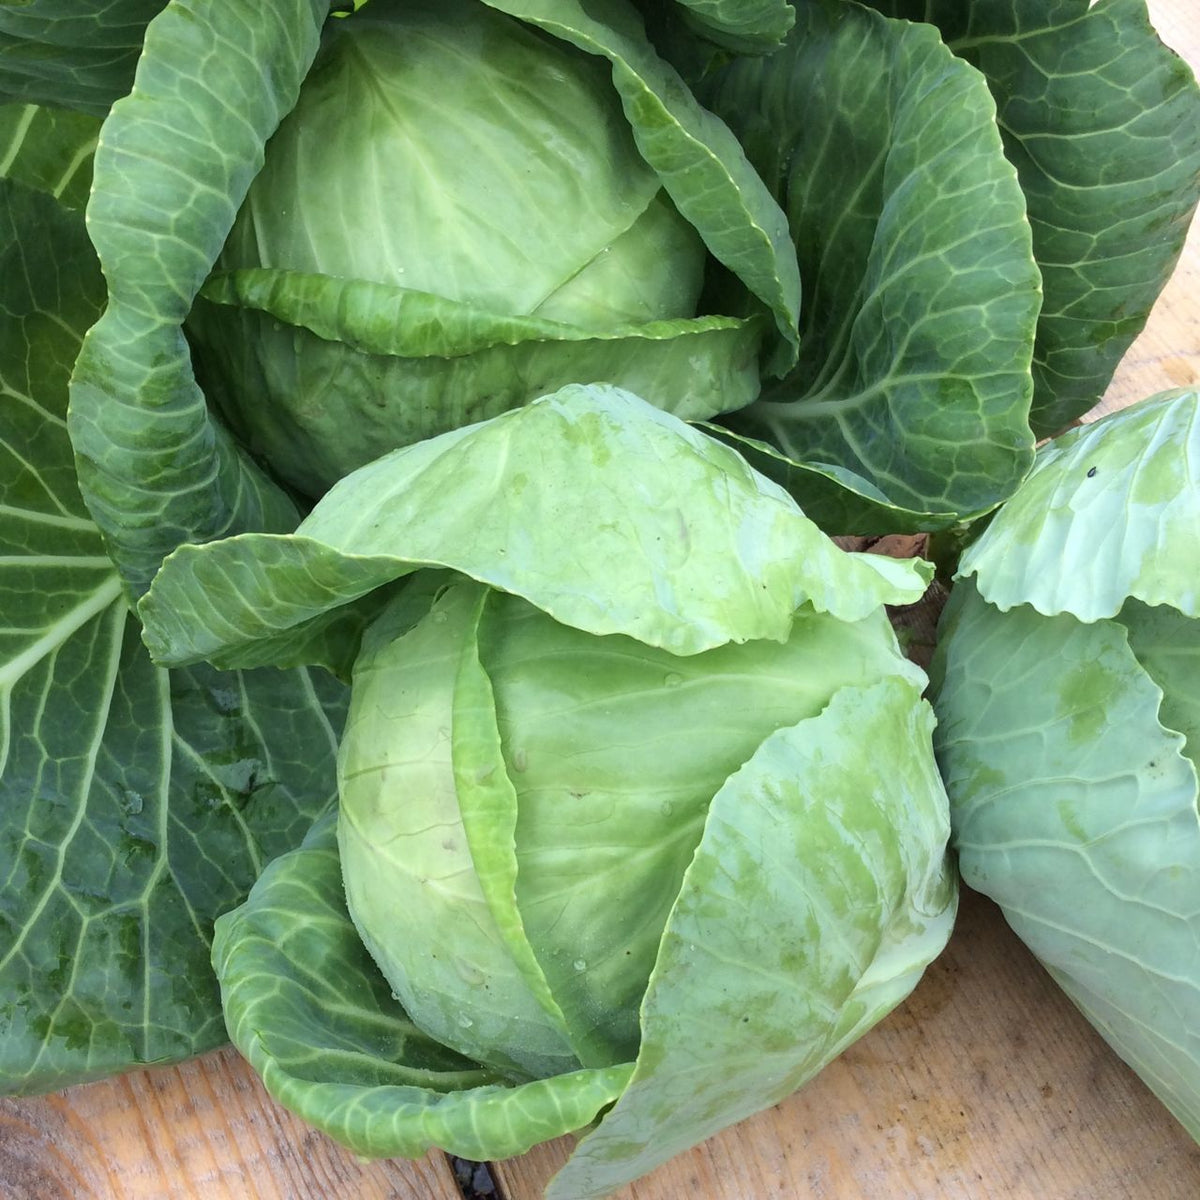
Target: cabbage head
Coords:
[[453, 219], [1068, 699], [607, 848]]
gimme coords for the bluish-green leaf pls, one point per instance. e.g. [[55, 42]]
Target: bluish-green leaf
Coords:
[[1075, 809], [1110, 510], [135, 803], [1103, 124], [174, 161], [921, 290]]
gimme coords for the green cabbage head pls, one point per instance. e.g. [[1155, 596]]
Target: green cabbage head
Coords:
[[607, 846], [601, 882], [1068, 698], [522, 801], [456, 217]]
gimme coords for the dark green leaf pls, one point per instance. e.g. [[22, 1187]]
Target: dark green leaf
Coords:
[[922, 294], [49, 149], [1103, 124], [77, 54], [748, 26], [135, 803]]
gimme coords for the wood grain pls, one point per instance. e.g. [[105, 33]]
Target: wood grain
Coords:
[[205, 1129], [985, 1085]]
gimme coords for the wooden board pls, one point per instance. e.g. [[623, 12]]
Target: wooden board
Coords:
[[205, 1130], [985, 1085]]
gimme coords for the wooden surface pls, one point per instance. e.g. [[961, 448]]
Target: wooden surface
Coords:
[[985, 1085], [204, 1129]]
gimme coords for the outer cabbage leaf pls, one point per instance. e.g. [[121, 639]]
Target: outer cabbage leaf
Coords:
[[1110, 510], [135, 803], [1167, 645], [1075, 808], [76, 54], [422, 364], [700, 163], [1103, 125], [378, 319], [909, 406], [309, 1009], [49, 149], [175, 161], [600, 509], [736, 1016]]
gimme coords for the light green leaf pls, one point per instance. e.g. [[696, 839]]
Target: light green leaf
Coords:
[[1110, 510], [526, 194], [605, 833], [1076, 810], [408, 848], [309, 1009], [603, 511], [377, 318], [817, 862], [135, 804], [76, 54], [1103, 124], [700, 163], [174, 161], [423, 365], [922, 294]]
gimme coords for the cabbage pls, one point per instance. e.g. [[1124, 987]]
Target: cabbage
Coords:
[[519, 242], [606, 848], [260, 414], [1068, 700]]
